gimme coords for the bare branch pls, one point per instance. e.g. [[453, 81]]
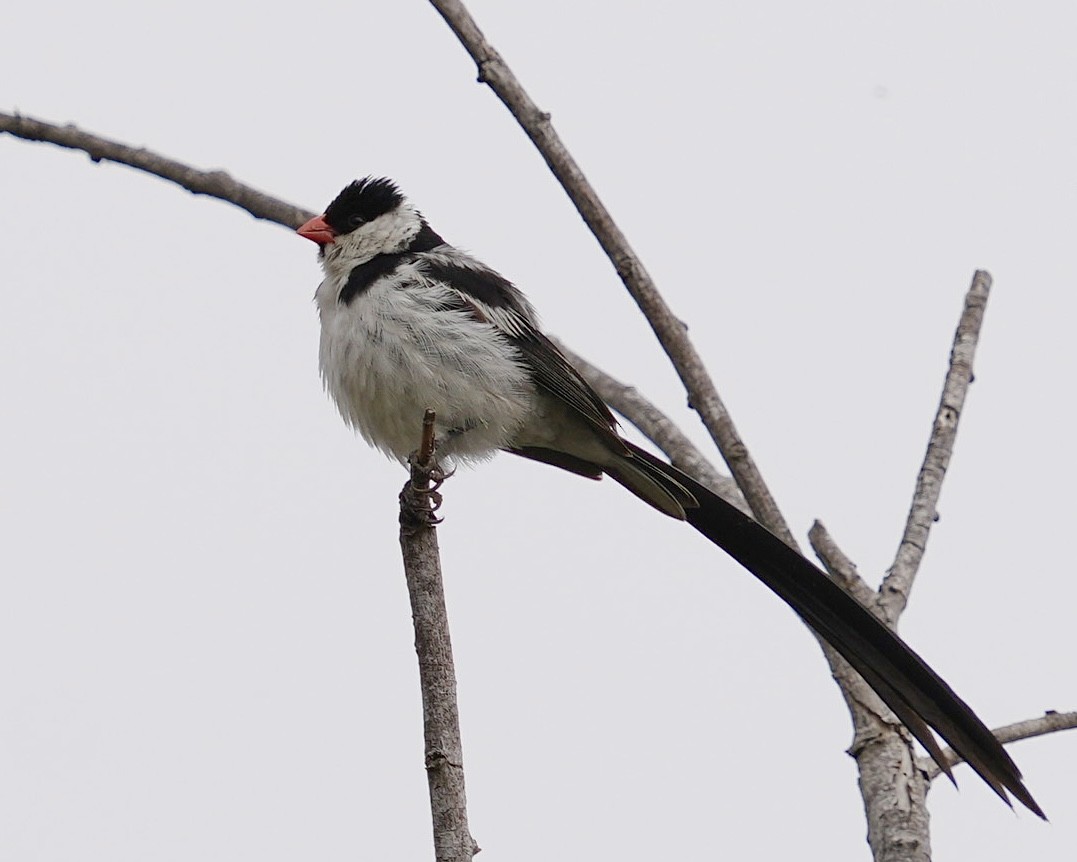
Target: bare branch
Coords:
[[670, 330], [838, 565], [444, 756], [1049, 722], [216, 184], [896, 586]]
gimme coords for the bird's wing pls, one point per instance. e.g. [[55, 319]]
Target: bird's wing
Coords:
[[489, 297]]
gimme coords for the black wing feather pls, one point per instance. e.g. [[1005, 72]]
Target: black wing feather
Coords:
[[494, 299]]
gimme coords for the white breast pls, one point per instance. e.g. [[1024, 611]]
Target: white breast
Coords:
[[395, 351]]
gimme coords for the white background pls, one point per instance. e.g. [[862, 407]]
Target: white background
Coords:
[[205, 642]]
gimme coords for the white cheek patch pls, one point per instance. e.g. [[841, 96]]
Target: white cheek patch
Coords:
[[387, 234]]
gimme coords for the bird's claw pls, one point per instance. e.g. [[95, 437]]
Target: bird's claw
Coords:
[[420, 498], [418, 507], [438, 476]]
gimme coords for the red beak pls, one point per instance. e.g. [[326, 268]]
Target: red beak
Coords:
[[318, 230]]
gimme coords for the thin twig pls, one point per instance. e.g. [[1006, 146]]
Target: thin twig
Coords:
[[670, 330], [444, 756], [426, 445], [216, 184], [840, 567], [1049, 722], [896, 586]]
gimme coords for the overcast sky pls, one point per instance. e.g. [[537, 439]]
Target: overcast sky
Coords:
[[206, 648]]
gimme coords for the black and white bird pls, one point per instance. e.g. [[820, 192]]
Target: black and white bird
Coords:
[[410, 323]]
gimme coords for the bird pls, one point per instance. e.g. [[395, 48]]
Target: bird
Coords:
[[410, 323]]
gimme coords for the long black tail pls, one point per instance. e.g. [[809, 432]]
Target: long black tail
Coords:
[[916, 694]]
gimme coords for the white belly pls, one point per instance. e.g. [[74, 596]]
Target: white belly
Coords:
[[391, 354]]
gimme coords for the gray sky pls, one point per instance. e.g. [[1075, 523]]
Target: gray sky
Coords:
[[206, 645]]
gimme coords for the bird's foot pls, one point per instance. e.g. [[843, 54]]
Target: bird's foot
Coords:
[[420, 499], [418, 507]]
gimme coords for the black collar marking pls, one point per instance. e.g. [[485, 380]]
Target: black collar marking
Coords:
[[365, 274]]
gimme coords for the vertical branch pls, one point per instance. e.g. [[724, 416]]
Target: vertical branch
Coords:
[[896, 586], [443, 754]]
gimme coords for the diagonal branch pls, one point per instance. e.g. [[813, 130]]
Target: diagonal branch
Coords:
[[670, 330], [840, 567], [216, 184], [896, 586], [1049, 722]]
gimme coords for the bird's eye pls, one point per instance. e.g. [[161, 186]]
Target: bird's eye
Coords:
[[356, 220]]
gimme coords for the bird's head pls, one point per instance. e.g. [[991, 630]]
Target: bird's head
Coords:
[[369, 217]]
